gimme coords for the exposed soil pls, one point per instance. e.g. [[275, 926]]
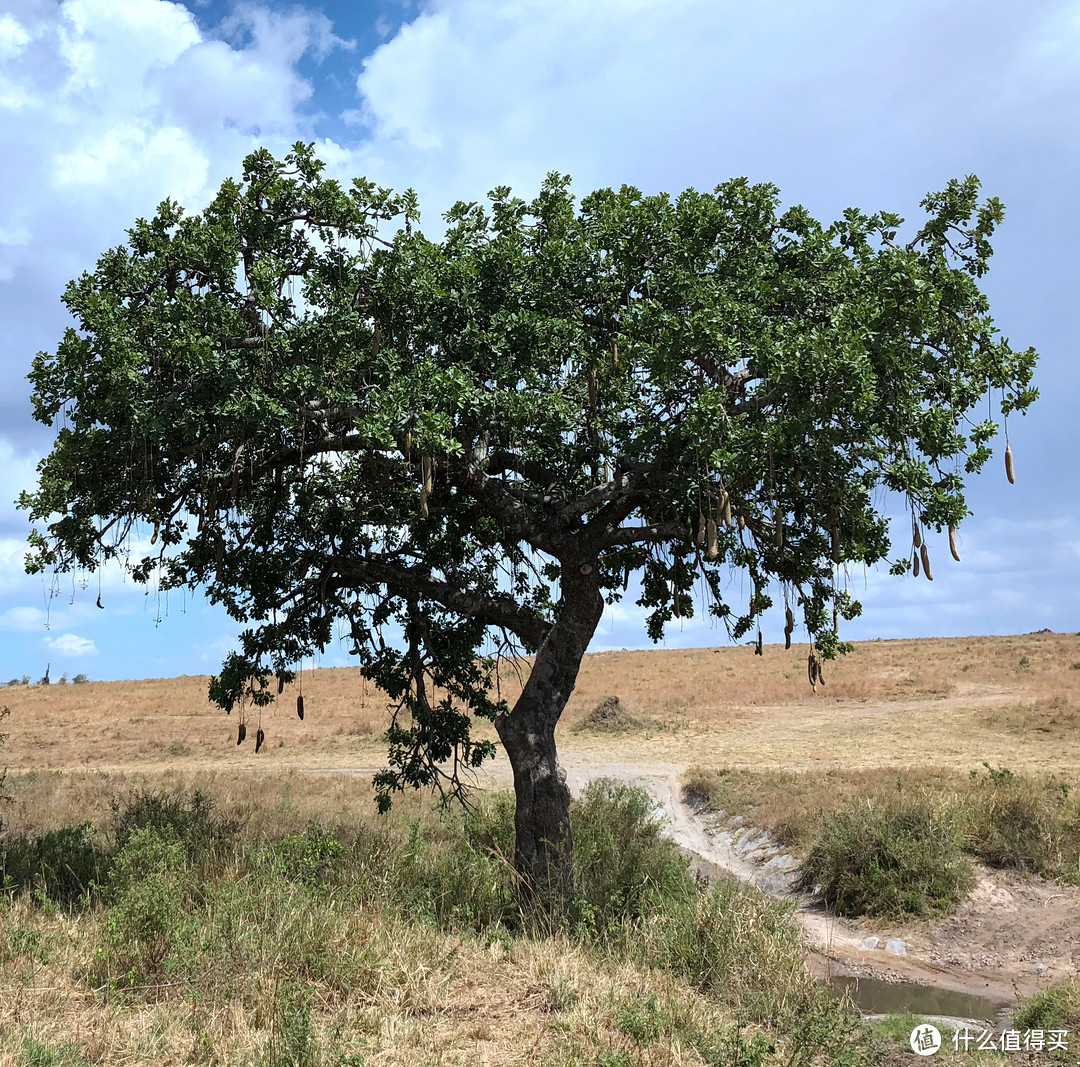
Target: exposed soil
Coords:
[[609, 716]]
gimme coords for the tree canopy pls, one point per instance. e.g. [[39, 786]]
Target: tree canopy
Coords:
[[321, 415]]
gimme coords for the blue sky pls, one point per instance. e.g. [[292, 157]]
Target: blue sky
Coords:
[[108, 106]]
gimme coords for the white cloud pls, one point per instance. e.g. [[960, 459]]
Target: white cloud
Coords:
[[129, 155], [13, 97], [22, 619], [16, 474], [71, 645], [17, 236], [1052, 50], [474, 92], [213, 652], [13, 37], [114, 105]]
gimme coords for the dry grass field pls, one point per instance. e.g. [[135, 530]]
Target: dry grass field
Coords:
[[400, 993], [949, 704]]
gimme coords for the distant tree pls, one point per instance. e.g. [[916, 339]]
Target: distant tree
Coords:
[[44, 680], [486, 436], [79, 679]]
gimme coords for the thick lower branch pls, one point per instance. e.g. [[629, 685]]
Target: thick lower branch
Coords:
[[413, 582]]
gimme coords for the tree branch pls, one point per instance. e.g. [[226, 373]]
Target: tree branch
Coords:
[[654, 533], [503, 460], [501, 503], [409, 581]]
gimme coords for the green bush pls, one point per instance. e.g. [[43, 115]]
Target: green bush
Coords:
[[625, 869], [64, 866], [458, 876], [1025, 825], [147, 921], [734, 942], [489, 826], [891, 856], [313, 857], [293, 1041], [190, 818], [1056, 1008]]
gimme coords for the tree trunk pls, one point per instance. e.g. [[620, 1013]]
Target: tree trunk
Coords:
[[543, 848]]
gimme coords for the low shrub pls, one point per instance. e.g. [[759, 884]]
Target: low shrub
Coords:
[[287, 930], [459, 873], [625, 869], [458, 879], [190, 818], [147, 921], [313, 857], [64, 866], [293, 1038], [489, 826], [1022, 824], [893, 855], [734, 942], [1056, 1008]]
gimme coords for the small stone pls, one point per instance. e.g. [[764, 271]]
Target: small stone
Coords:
[[1039, 968], [896, 947], [749, 840], [870, 944], [780, 862]]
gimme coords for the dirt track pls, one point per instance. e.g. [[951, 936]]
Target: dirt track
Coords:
[[1012, 936]]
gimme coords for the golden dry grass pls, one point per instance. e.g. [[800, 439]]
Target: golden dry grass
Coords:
[[890, 705], [931, 710], [452, 1001], [785, 802]]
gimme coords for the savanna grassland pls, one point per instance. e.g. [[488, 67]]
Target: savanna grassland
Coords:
[[176, 898], [890, 705]]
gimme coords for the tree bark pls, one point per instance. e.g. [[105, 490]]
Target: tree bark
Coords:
[[543, 848]]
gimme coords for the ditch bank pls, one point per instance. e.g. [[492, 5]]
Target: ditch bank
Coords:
[[1010, 938]]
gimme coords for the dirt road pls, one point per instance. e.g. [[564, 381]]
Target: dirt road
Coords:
[[1012, 936]]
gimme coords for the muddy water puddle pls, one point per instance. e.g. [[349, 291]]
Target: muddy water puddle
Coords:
[[873, 996]]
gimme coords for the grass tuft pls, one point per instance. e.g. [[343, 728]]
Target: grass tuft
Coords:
[[1056, 1008], [400, 941], [888, 856], [1022, 824]]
